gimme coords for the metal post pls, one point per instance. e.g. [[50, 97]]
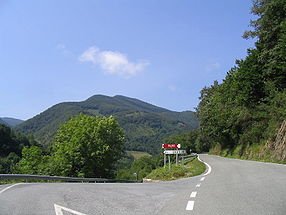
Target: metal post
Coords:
[[177, 157], [164, 159], [169, 162]]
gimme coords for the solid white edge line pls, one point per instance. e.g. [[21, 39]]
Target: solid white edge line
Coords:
[[269, 163], [193, 194], [190, 205], [209, 167], [2, 191]]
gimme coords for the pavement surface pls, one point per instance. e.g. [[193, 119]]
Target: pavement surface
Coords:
[[229, 187]]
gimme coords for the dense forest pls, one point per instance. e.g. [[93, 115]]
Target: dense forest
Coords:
[[242, 116], [145, 126], [11, 145]]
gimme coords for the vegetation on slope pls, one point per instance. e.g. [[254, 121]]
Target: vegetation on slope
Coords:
[[85, 146], [10, 121], [145, 125], [140, 168], [137, 154], [242, 115], [11, 145], [191, 168]]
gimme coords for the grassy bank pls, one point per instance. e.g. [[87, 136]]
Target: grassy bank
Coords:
[[254, 152], [192, 167], [137, 154]]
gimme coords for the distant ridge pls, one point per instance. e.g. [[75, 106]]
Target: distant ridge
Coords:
[[10, 121], [145, 125]]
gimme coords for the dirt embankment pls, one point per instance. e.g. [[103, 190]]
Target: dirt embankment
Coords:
[[278, 147]]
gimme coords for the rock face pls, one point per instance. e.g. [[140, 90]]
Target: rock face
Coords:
[[280, 143]]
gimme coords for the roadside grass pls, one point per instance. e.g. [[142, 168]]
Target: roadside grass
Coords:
[[191, 168], [137, 154], [255, 152]]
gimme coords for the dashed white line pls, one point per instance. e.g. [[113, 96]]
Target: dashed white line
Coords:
[[190, 205], [2, 191], [193, 194]]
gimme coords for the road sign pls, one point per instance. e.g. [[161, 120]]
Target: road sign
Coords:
[[173, 152], [171, 146]]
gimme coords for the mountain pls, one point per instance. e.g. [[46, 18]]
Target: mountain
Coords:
[[10, 121], [145, 125], [2, 122]]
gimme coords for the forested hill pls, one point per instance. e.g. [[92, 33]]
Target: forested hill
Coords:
[[245, 116], [2, 122], [10, 121], [145, 125]]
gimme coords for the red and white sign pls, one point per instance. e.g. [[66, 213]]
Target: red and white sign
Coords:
[[171, 146]]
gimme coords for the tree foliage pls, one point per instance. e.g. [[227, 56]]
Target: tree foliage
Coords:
[[249, 105], [87, 146], [11, 145], [140, 168], [33, 161]]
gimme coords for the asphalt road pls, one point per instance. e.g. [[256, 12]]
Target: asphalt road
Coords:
[[232, 187]]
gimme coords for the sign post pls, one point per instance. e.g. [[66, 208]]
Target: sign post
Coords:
[[164, 159], [172, 152], [177, 157]]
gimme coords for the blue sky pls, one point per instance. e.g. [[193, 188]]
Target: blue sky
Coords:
[[160, 51]]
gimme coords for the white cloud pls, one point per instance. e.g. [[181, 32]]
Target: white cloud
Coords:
[[111, 62], [172, 88], [213, 66], [63, 49]]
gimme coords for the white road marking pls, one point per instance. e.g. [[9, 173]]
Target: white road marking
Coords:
[[193, 194], [209, 167], [59, 210], [198, 185], [190, 205], [203, 178], [2, 191]]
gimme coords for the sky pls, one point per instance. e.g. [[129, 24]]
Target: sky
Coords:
[[159, 51]]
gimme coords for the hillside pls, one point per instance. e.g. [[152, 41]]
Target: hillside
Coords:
[[145, 125], [10, 121], [2, 122], [244, 116]]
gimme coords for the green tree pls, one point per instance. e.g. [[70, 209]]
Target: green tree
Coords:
[[249, 105], [87, 146], [187, 140], [33, 161]]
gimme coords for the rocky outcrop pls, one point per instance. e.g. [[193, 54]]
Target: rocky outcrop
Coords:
[[280, 143]]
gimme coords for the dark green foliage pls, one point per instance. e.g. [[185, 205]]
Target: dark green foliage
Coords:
[[141, 167], [11, 145], [187, 140], [7, 164], [249, 106], [11, 141], [145, 125]]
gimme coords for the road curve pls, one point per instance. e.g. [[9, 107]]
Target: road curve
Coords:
[[232, 187]]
